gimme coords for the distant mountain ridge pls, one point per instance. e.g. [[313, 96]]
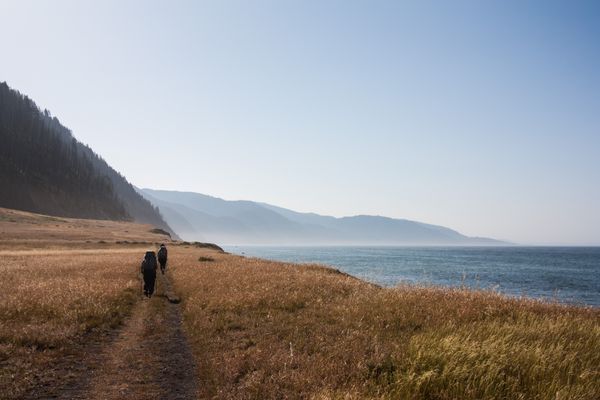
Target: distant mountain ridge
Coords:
[[44, 169], [200, 217]]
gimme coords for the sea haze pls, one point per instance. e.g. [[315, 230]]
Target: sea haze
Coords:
[[198, 217], [565, 274]]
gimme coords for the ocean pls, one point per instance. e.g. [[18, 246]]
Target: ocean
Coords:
[[564, 274]]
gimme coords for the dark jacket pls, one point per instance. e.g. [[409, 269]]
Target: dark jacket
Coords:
[[162, 254], [149, 264]]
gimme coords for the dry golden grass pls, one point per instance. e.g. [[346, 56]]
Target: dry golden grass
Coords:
[[50, 302], [22, 230], [266, 330], [65, 285], [61, 281]]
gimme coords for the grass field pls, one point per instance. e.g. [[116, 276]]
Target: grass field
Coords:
[[63, 282], [22, 230], [48, 302], [267, 330]]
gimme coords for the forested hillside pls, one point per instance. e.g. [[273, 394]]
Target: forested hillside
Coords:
[[44, 169]]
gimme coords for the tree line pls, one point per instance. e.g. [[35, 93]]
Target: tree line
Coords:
[[44, 169]]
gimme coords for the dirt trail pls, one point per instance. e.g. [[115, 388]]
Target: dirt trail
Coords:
[[148, 358]]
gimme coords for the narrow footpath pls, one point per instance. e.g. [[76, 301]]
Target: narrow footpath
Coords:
[[147, 358]]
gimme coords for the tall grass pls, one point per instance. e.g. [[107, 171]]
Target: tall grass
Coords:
[[266, 330], [50, 300]]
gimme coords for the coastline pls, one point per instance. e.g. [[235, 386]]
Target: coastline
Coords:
[[569, 275], [305, 330], [264, 329]]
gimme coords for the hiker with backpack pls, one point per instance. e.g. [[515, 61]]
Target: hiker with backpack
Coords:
[[149, 273], [162, 257]]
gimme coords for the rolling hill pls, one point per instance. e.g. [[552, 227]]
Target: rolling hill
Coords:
[[200, 217], [44, 169]]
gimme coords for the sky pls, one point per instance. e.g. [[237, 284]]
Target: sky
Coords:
[[482, 116]]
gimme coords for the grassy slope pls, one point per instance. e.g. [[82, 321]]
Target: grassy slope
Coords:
[[266, 330], [64, 282], [23, 230]]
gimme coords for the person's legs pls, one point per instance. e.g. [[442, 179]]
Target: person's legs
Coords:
[[147, 283], [151, 281]]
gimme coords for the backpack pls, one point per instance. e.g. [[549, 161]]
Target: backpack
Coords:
[[162, 254], [149, 263]]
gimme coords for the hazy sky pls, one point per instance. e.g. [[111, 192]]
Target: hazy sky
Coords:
[[481, 116]]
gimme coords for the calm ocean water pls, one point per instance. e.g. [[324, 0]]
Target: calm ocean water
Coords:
[[566, 274]]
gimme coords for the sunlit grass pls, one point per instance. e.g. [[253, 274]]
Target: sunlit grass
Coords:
[[64, 284], [49, 302], [267, 330], [270, 330]]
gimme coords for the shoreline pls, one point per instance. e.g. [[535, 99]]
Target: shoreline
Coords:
[[266, 329], [298, 323], [283, 329], [425, 285], [373, 265]]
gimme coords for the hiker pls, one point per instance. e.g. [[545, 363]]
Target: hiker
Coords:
[[162, 257], [149, 272]]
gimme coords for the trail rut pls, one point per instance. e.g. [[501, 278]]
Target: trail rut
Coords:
[[147, 358]]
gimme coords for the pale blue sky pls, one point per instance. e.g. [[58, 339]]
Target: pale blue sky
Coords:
[[481, 116]]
